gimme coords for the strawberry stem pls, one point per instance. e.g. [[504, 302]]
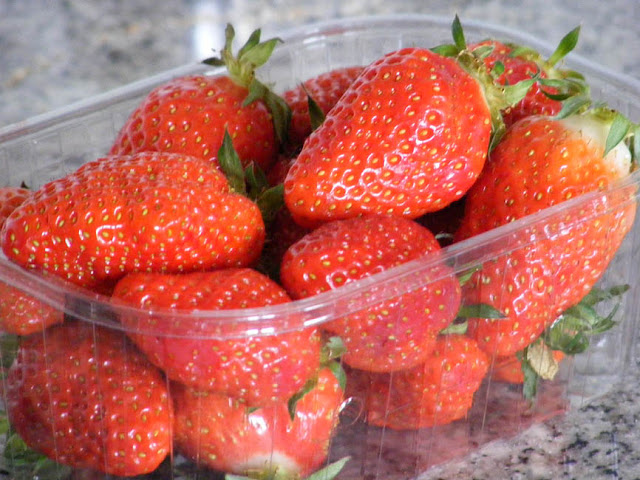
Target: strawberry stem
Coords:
[[241, 68]]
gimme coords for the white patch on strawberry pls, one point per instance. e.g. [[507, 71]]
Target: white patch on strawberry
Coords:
[[269, 461], [596, 129]]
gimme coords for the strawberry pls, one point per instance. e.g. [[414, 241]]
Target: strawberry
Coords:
[[409, 136], [436, 392], [325, 90], [218, 432], [20, 313], [381, 335], [146, 212], [10, 199], [211, 353], [83, 396], [513, 63], [540, 162], [190, 114], [397, 142]]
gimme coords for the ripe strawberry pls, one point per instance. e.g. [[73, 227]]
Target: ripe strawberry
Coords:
[[190, 114], [513, 63], [541, 162], [211, 353], [397, 142], [325, 90], [20, 313], [146, 212], [380, 335], [10, 198], [436, 392], [218, 432], [84, 397]]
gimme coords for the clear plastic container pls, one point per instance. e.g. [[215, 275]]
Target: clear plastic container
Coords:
[[54, 144]]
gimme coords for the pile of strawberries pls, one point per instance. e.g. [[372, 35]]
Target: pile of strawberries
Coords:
[[219, 194]]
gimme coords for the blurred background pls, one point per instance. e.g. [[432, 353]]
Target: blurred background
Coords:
[[53, 53]]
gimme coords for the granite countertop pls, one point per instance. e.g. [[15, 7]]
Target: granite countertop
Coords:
[[74, 49]]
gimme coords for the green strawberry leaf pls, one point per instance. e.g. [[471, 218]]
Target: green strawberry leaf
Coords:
[[570, 334], [8, 348], [522, 51], [464, 277], [252, 41], [458, 34], [280, 111], [241, 69], [457, 327], [23, 463], [330, 471], [484, 51], [635, 143], [531, 378], [571, 331], [516, 92], [315, 113], [339, 373], [256, 53], [446, 50], [566, 45], [231, 166], [270, 202], [573, 105], [480, 310], [598, 295], [332, 349], [498, 69], [619, 129], [256, 180], [250, 182], [296, 397]]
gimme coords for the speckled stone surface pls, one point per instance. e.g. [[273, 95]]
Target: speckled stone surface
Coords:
[[56, 53], [73, 49]]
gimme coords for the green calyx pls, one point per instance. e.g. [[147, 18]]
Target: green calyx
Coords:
[[327, 473], [570, 334], [498, 97], [560, 84], [250, 181], [242, 70], [252, 54]]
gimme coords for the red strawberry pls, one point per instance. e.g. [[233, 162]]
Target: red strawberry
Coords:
[[436, 392], [220, 433], [399, 141], [539, 163], [219, 354], [189, 115], [513, 63], [20, 313], [325, 90], [84, 397], [383, 335], [10, 198], [146, 212]]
